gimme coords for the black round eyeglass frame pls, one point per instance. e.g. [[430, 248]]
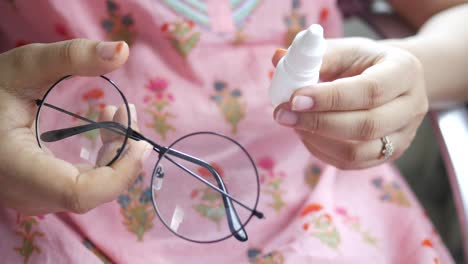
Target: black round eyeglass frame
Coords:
[[236, 233], [232, 217]]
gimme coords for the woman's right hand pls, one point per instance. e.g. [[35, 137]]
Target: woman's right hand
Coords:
[[31, 180]]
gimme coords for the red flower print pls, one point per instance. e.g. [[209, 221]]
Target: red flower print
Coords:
[[311, 208], [157, 85], [20, 43], [306, 226], [62, 31], [95, 93], [266, 163], [194, 193], [427, 243], [324, 13], [205, 173], [190, 23], [165, 27], [102, 106]]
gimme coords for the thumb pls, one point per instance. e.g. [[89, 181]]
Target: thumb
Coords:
[[347, 57], [39, 64]]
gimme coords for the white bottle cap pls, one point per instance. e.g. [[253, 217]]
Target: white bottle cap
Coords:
[[300, 66], [306, 52]]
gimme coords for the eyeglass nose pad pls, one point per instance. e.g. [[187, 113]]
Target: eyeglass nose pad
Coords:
[[158, 173]]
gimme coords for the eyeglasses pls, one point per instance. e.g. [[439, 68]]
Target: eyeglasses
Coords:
[[197, 169]]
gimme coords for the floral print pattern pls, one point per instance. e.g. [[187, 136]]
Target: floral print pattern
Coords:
[[62, 31], [137, 209], [428, 244], [230, 103], [182, 35], [89, 245], [256, 257], [93, 99], [209, 202], [391, 192], [312, 174], [355, 224], [158, 103], [28, 231], [21, 42], [119, 26], [295, 22], [271, 182], [320, 225]]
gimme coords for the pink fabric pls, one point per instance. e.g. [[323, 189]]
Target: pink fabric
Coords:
[[318, 214], [220, 14]]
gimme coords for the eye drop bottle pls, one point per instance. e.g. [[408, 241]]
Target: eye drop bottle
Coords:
[[300, 66]]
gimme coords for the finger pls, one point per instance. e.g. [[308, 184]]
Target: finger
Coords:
[[348, 57], [35, 64], [104, 184], [107, 115], [336, 163], [318, 153], [355, 125], [113, 141], [121, 173], [279, 53], [376, 86], [358, 154]]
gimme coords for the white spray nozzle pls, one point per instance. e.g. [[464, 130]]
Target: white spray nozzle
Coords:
[[300, 66], [306, 51]]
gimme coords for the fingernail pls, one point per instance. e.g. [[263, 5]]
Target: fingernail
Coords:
[[109, 50], [287, 118], [300, 103], [278, 52]]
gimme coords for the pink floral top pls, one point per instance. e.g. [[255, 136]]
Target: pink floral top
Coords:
[[210, 62]]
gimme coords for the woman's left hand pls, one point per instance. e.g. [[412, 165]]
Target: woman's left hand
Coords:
[[369, 91]]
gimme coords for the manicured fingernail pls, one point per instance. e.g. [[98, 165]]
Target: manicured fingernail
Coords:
[[287, 118], [301, 103], [277, 55], [278, 52], [109, 50]]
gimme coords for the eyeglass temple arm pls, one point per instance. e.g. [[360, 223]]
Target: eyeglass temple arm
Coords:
[[55, 135], [59, 134], [233, 218]]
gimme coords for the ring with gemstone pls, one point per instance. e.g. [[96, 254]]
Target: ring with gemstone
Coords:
[[387, 150]]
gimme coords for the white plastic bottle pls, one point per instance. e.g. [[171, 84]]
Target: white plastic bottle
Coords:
[[300, 66]]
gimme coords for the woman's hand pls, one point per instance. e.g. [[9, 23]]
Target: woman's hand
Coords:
[[369, 91], [32, 181]]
